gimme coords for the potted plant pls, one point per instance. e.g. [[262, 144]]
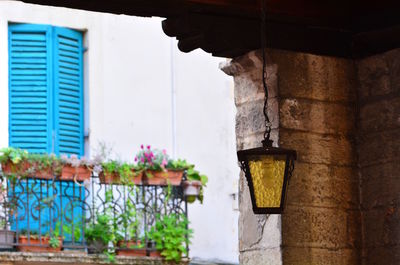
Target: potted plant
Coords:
[[43, 166], [101, 235], [75, 169], [120, 173], [98, 234], [32, 242], [19, 162], [170, 235], [154, 162], [14, 161], [131, 244], [194, 184]]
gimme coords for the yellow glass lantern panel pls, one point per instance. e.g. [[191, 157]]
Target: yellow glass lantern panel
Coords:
[[267, 174]]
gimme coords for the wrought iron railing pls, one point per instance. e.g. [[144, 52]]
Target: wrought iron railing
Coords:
[[35, 211]]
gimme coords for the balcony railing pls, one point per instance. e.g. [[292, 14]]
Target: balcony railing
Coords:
[[36, 212]]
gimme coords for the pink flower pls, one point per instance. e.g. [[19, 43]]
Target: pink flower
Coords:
[[141, 146], [164, 151], [142, 159], [164, 162], [148, 147], [135, 158]]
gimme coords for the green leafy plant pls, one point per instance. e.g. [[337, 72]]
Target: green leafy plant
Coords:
[[179, 164], [73, 229], [170, 233], [37, 162], [129, 223], [54, 242], [191, 175], [15, 155], [125, 170], [104, 231], [100, 230]]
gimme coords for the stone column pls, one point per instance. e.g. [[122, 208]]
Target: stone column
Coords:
[[321, 224], [259, 236], [379, 157], [313, 114]]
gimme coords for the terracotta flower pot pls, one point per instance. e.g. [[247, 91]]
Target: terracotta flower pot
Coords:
[[70, 173], [191, 187], [22, 168], [43, 173], [109, 178], [162, 178], [27, 169], [130, 248], [155, 254], [34, 244]]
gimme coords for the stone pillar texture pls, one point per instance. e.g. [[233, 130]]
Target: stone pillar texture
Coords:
[[312, 106], [321, 223], [379, 156], [259, 236]]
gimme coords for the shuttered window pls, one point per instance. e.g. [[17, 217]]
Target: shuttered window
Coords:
[[45, 109], [46, 89]]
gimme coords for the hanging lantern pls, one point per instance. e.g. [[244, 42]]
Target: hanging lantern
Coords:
[[267, 168]]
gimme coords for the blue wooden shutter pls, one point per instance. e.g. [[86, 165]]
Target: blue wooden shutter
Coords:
[[30, 108], [68, 91], [30, 83], [68, 106]]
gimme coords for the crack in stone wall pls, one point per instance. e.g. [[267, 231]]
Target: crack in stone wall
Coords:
[[260, 235]]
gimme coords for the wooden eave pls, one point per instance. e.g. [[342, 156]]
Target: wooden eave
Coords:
[[230, 28]]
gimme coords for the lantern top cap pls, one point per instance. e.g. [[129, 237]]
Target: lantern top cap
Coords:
[[267, 150]]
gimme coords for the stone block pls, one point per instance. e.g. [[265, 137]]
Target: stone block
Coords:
[[382, 226], [250, 88], [323, 186], [381, 171], [374, 77], [393, 61], [387, 255], [254, 140], [380, 191], [261, 257], [380, 115], [250, 118], [314, 227], [309, 76], [318, 148], [378, 148], [320, 256], [316, 116], [354, 229]]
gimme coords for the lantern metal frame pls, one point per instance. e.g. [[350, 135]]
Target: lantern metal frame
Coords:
[[267, 149], [290, 155]]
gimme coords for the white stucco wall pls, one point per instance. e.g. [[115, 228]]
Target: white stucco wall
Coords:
[[140, 89]]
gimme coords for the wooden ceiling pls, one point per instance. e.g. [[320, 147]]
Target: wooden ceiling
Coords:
[[229, 28]]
